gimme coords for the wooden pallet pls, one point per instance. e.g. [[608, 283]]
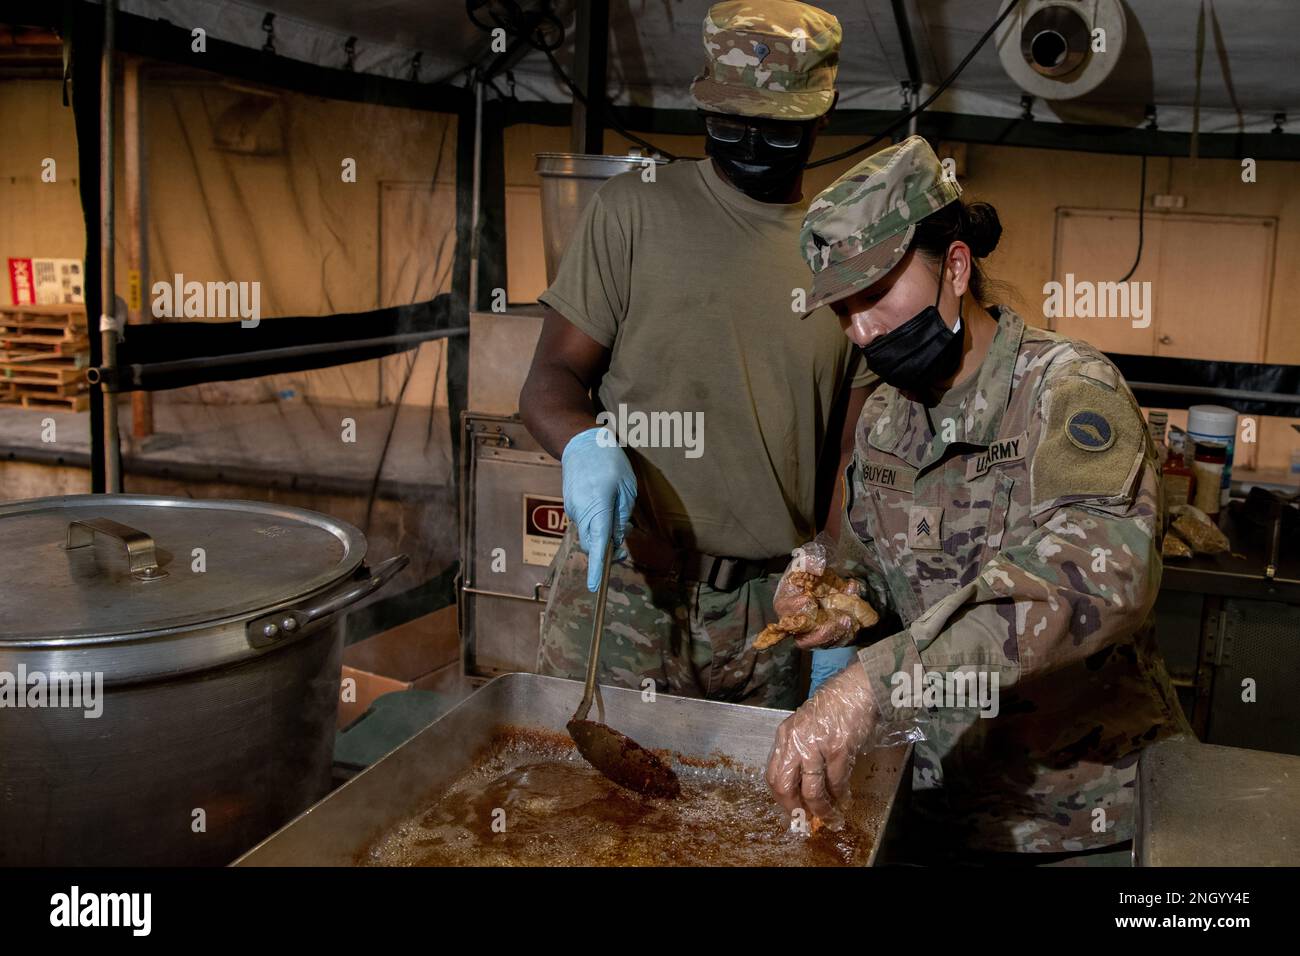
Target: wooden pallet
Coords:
[[44, 315], [47, 389], [44, 350], [77, 309], [47, 371], [37, 327], [33, 320], [16, 348], [72, 403], [42, 336], [18, 357]]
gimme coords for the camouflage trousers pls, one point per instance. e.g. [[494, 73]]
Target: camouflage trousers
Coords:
[[690, 639]]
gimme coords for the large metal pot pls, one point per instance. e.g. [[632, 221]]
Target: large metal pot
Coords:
[[214, 627], [569, 180]]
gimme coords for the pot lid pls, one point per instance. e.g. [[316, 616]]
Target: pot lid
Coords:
[[106, 566]]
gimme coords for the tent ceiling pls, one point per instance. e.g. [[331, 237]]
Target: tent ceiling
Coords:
[[655, 49]]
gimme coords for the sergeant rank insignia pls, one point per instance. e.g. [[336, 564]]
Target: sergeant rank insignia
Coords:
[[923, 528]]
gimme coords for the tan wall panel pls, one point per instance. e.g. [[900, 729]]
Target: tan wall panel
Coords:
[[37, 219]]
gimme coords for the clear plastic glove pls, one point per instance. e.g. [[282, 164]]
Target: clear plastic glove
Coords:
[[599, 492], [816, 747], [840, 618]]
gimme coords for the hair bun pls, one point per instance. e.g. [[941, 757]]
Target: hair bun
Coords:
[[983, 228]]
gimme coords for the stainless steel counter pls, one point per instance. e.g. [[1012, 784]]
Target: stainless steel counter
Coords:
[[1203, 805], [336, 830]]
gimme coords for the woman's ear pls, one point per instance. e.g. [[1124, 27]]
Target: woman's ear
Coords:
[[960, 263]]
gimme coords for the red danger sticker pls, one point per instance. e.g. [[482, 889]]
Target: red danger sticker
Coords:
[[545, 516], [544, 524]]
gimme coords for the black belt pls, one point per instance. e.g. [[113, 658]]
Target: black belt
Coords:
[[718, 572]]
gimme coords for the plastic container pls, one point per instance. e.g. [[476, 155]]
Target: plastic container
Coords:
[[1214, 423], [1157, 421], [1210, 464], [1177, 476]]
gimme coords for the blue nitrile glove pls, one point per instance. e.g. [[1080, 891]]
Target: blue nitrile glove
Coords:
[[599, 492], [827, 662]]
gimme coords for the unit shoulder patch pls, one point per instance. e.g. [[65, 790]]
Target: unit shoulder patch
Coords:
[[1090, 430], [1091, 445]]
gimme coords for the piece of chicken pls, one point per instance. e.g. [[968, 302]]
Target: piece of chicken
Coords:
[[825, 596]]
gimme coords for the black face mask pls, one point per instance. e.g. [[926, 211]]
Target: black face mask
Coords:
[[757, 168], [921, 352]]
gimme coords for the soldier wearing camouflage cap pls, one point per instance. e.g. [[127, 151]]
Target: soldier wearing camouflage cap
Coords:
[[861, 225], [772, 59], [1002, 510], [674, 302]]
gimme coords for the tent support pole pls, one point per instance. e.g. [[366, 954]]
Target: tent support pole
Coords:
[[909, 58], [107, 298], [136, 237], [590, 55], [477, 189]]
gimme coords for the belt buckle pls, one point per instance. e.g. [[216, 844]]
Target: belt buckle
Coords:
[[711, 579], [723, 574]]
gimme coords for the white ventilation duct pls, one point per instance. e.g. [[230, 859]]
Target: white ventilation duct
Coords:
[[1047, 46]]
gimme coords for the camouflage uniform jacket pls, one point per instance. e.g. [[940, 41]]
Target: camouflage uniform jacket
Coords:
[[1020, 541]]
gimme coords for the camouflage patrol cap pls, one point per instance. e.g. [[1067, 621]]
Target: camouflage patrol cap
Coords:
[[770, 58], [860, 226]]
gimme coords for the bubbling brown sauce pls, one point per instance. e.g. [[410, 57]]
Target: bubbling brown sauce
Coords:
[[531, 800]]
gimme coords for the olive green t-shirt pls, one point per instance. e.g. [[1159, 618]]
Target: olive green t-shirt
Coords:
[[721, 392]]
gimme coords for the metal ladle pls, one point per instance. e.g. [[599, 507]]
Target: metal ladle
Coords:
[[617, 756]]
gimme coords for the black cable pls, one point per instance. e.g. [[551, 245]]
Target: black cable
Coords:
[[933, 96], [1142, 207], [606, 114], [534, 35], [516, 25]]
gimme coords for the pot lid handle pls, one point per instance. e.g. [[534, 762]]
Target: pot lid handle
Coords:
[[267, 630], [141, 557]]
